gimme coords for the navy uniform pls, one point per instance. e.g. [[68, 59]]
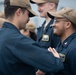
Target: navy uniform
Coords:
[[20, 55], [46, 38], [67, 51]]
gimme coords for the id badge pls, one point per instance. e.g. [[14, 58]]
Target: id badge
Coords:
[[45, 38]]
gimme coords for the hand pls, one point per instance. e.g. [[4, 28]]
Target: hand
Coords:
[[39, 72], [55, 53]]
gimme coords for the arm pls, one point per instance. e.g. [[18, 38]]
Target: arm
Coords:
[[39, 72], [72, 61], [31, 53]]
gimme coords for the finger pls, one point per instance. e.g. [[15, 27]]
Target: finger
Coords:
[[49, 49], [39, 72], [56, 53], [54, 50]]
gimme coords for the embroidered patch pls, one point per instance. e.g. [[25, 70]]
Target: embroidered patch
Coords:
[[62, 56]]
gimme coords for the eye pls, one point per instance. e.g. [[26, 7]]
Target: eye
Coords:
[[57, 21]]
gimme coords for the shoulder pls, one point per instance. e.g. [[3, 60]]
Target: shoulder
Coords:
[[72, 49]]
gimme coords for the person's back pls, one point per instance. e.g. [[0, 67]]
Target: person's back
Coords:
[[11, 58], [45, 36]]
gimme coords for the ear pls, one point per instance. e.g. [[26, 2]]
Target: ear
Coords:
[[68, 24], [18, 12], [52, 5]]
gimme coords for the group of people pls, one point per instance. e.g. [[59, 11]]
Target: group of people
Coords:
[[51, 52]]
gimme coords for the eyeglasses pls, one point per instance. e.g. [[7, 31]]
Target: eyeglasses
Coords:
[[59, 20]]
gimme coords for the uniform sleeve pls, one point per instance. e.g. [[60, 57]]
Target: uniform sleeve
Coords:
[[30, 53], [72, 61]]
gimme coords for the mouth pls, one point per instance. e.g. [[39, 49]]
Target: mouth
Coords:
[[54, 29]]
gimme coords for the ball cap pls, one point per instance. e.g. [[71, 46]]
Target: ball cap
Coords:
[[24, 4], [67, 13], [43, 1]]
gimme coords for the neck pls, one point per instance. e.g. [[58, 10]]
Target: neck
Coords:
[[12, 22], [66, 35], [48, 20]]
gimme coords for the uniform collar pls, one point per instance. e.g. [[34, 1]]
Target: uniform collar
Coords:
[[65, 43], [9, 25], [50, 22], [69, 39]]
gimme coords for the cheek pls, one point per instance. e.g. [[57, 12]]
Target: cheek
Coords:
[[26, 19], [60, 31], [44, 12], [57, 29]]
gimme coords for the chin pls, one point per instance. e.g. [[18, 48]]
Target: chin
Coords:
[[42, 16], [56, 34]]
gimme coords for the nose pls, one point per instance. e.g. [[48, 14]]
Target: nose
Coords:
[[53, 25], [38, 8]]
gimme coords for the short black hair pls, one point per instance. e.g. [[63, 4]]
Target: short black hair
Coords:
[[10, 10]]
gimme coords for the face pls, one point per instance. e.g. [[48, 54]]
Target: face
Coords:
[[23, 19], [59, 26], [43, 8]]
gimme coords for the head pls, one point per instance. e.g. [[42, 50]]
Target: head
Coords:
[[45, 5], [20, 12], [29, 30], [65, 21]]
